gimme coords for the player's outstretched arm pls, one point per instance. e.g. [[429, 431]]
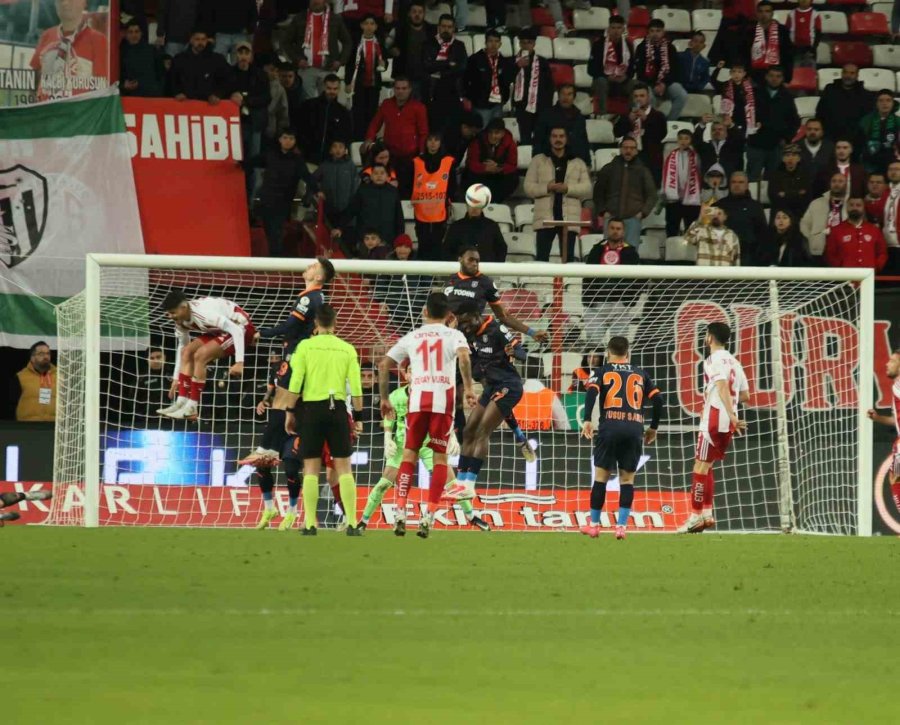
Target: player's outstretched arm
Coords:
[[514, 323], [877, 417]]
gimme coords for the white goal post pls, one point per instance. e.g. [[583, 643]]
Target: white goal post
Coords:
[[805, 337]]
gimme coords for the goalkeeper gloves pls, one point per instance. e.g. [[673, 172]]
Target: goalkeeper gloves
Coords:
[[390, 447], [452, 445]]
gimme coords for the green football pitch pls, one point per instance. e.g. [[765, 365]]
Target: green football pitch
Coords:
[[190, 626]]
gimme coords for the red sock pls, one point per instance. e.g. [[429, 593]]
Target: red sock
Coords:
[[404, 481], [196, 389], [895, 493], [184, 385], [336, 492], [709, 490], [438, 481], [698, 486]]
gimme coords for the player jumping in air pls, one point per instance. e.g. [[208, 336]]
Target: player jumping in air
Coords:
[[725, 386], [469, 285], [491, 343], [393, 451], [432, 351], [13, 497], [893, 372], [618, 444], [224, 329]]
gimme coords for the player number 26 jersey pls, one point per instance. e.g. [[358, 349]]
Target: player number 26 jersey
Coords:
[[210, 313], [431, 351], [721, 365]]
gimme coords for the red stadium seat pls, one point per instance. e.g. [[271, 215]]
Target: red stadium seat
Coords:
[[639, 17], [541, 16], [869, 24], [857, 52], [804, 80], [562, 73], [548, 31]]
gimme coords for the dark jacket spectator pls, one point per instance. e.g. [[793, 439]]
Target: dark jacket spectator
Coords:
[[177, 19], [842, 106], [409, 40], [693, 71], [821, 159], [477, 230], [323, 120], [725, 148], [790, 189], [368, 249], [788, 248], [140, 70], [563, 115], [530, 67], [596, 290], [648, 63], [478, 77], [654, 131], [284, 170], [338, 180], [625, 189], [747, 220], [405, 127], [857, 174], [252, 84], [294, 94], [785, 53], [445, 82], [199, 76], [339, 41], [375, 206], [595, 61], [880, 134], [778, 117]]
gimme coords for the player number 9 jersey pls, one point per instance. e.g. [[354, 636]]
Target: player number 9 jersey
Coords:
[[721, 365]]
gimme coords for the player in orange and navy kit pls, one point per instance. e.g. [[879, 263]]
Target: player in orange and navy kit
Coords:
[[893, 372], [725, 386], [623, 389]]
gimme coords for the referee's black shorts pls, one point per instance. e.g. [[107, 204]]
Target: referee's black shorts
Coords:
[[323, 423]]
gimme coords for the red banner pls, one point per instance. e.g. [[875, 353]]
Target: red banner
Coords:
[[240, 507], [190, 186]]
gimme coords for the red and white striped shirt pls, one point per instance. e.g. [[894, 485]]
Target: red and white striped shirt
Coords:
[[214, 315], [431, 351], [804, 26], [721, 365], [895, 403]]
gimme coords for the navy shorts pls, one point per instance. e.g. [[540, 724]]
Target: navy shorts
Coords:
[[274, 435], [506, 395], [617, 450]]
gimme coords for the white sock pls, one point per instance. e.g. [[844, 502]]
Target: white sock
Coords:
[[707, 513], [293, 509], [270, 505]]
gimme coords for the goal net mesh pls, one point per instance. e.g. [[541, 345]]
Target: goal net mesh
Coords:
[[796, 467]]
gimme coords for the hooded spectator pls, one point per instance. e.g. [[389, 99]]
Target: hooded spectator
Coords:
[[433, 187], [714, 186]]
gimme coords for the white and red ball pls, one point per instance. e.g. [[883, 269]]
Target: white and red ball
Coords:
[[478, 196]]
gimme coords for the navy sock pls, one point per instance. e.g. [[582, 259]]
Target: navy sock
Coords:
[[475, 468], [464, 463], [598, 498], [626, 498]]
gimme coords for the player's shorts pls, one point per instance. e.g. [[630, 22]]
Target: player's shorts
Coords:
[[426, 455], [617, 450], [712, 445], [224, 340], [274, 436], [422, 424], [291, 451], [895, 459], [324, 422], [506, 395]]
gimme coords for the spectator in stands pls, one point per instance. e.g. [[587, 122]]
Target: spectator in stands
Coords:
[[176, 21], [805, 28], [231, 23], [488, 77], [681, 185], [296, 96], [715, 187], [843, 104], [790, 185], [355, 13], [880, 131], [767, 44], [475, 231], [558, 182], [363, 75], [582, 373], [493, 160], [789, 247], [405, 123], [374, 206], [199, 73], [647, 127], [324, 120], [404, 295], [746, 217], [285, 168], [318, 43], [738, 103], [540, 407], [717, 245], [611, 64], [278, 111], [372, 246], [891, 225], [816, 151], [337, 180], [444, 58], [625, 189], [737, 15], [166, 62], [152, 388], [693, 67], [378, 153], [876, 197], [824, 212], [842, 162], [777, 123], [433, 188], [139, 69], [895, 21], [607, 306], [533, 86], [656, 64], [248, 89], [725, 147], [406, 43], [34, 387], [458, 146], [563, 115], [856, 242]]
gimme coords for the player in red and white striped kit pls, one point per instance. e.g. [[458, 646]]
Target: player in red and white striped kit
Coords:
[[893, 372], [225, 329], [725, 386], [432, 351]]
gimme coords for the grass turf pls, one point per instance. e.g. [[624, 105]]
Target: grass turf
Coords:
[[178, 626]]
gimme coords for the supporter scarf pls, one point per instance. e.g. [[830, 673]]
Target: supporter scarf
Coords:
[[877, 140], [637, 128], [765, 52], [792, 26], [494, 96], [749, 103], [891, 210], [443, 48], [835, 212], [308, 43], [688, 191], [650, 69], [611, 67], [372, 62], [519, 91]]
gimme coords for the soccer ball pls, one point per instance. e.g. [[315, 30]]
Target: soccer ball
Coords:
[[478, 196]]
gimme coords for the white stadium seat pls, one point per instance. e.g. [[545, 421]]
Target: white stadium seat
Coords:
[[506, 45], [650, 248], [584, 102], [877, 78], [524, 214], [887, 56], [806, 106], [409, 212], [500, 213], [433, 14], [521, 244], [574, 49], [697, 106], [524, 157], [543, 46], [591, 19], [582, 77], [599, 130], [827, 75], [823, 53], [656, 220], [677, 21], [477, 16], [409, 228], [468, 41], [706, 20], [603, 156], [834, 23], [458, 209], [355, 154], [512, 125], [781, 16], [676, 126], [678, 251]]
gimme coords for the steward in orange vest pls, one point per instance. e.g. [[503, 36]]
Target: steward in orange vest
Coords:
[[432, 180]]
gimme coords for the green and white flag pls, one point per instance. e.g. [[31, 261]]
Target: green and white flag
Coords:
[[66, 189]]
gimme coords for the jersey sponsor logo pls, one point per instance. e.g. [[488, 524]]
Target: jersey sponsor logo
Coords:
[[459, 292], [24, 205]]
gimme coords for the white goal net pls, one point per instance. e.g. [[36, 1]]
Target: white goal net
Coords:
[[804, 343]]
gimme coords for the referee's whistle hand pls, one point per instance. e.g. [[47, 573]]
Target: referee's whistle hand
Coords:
[[236, 370]]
